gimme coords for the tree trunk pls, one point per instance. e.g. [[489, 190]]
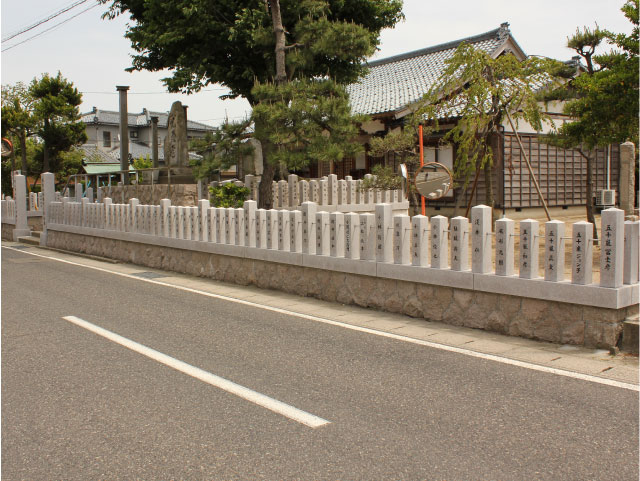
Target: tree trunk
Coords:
[[265, 199], [23, 152], [590, 210], [488, 184], [45, 160], [278, 31]]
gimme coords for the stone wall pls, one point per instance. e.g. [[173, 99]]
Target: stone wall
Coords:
[[518, 316], [7, 231], [180, 194]]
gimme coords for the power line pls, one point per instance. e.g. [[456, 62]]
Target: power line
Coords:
[[44, 20], [152, 93], [51, 28]]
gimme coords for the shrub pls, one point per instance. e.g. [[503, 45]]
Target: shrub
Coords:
[[228, 195]]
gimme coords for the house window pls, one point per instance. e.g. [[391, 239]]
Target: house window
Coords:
[[106, 138]]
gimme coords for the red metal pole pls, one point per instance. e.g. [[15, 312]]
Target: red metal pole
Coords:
[[421, 164]]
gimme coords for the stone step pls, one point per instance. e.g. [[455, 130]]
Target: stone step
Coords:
[[630, 335], [36, 233], [31, 240]]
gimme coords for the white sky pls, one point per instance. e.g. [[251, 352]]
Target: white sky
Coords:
[[93, 53]]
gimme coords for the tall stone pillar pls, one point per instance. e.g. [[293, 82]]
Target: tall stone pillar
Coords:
[[627, 178], [124, 132], [154, 140]]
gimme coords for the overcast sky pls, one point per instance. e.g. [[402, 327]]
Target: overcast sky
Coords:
[[93, 53]]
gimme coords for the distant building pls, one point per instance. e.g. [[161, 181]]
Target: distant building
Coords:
[[103, 134]]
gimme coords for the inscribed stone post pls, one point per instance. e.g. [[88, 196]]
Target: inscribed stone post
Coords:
[[283, 194], [459, 243], [272, 229], [612, 250], [131, 220], [213, 222], [185, 213], [554, 251], [239, 225], [314, 191], [401, 239], [303, 193], [109, 213], [309, 210], [275, 201], [203, 207], [359, 192], [323, 247], [367, 237], [419, 240], [351, 191], [336, 234], [505, 246], [342, 192], [582, 253], [333, 189], [384, 233], [295, 227], [182, 220], [165, 221], [22, 225], [221, 224], [89, 194], [78, 191], [481, 239], [250, 207], [439, 242], [352, 236], [323, 192], [284, 230], [230, 226], [248, 183], [293, 190], [261, 228], [387, 196], [84, 209], [529, 245], [631, 246]]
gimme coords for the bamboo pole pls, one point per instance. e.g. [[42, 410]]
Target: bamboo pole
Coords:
[[535, 181]]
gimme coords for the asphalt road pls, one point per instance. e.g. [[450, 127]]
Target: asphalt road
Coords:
[[76, 405]]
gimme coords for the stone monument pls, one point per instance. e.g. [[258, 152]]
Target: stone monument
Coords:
[[176, 147]]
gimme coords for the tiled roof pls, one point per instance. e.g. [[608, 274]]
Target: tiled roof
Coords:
[[110, 117], [395, 82]]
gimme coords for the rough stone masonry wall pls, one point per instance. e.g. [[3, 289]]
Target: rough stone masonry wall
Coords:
[[531, 318], [180, 194]]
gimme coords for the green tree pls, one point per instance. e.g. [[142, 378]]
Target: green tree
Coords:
[[604, 98], [242, 44], [221, 149], [477, 92], [18, 118], [56, 103]]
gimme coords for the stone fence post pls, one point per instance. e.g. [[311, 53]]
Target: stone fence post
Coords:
[[627, 177], [22, 226], [48, 182], [611, 257], [481, 239]]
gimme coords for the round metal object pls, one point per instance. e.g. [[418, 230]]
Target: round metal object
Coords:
[[7, 147], [433, 180]]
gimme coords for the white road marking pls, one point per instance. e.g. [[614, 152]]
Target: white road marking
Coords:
[[267, 402], [443, 347]]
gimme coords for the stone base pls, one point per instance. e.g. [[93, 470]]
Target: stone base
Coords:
[[551, 321], [17, 233]]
